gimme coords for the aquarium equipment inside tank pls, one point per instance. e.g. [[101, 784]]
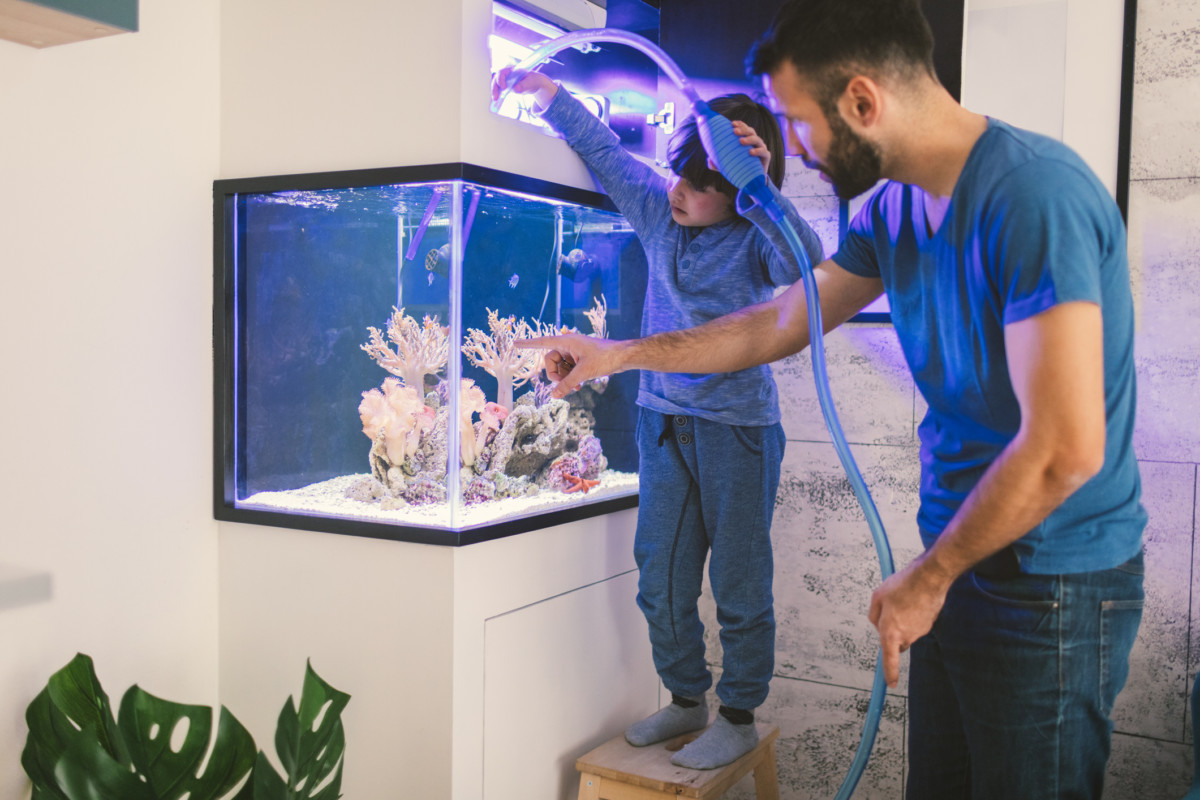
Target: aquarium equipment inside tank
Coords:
[[369, 378]]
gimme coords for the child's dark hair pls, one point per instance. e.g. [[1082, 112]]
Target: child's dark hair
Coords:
[[689, 160], [829, 41]]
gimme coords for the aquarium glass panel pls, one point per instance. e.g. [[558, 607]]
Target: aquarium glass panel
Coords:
[[370, 378]]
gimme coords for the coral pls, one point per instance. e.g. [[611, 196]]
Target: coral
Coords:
[[580, 423], [473, 436], [366, 490], [541, 390], [591, 454], [395, 416], [425, 490], [435, 447], [541, 444], [598, 316], [531, 437], [471, 400], [508, 486], [493, 416], [478, 490], [500, 355], [421, 349], [491, 420], [559, 472]]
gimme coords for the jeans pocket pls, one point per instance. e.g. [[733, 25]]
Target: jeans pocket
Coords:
[[749, 437], [1119, 621], [1033, 592]]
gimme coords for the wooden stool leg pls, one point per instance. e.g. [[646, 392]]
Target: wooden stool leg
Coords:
[[589, 786], [766, 776]]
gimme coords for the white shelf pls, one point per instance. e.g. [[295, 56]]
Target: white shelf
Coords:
[[38, 24]]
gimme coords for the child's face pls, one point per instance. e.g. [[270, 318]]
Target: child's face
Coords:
[[695, 208]]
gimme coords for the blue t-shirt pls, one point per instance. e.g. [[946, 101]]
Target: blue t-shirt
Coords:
[[1028, 226]]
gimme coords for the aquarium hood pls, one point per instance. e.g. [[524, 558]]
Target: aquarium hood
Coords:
[[570, 15]]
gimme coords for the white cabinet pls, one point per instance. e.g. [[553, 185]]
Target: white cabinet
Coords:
[[475, 672]]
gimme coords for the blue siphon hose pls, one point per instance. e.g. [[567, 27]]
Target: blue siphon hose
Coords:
[[746, 173]]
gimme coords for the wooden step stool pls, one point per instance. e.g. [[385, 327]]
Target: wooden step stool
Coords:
[[616, 770]]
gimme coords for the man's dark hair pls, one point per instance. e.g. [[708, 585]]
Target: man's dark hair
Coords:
[[830, 41], [689, 160]]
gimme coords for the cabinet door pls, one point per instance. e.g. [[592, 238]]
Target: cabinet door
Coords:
[[560, 677]]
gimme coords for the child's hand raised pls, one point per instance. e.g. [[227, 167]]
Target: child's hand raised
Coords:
[[750, 138], [542, 88]]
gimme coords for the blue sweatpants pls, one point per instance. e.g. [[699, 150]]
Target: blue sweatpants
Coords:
[[706, 486]]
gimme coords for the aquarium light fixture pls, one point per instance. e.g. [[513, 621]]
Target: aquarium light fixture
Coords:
[[505, 53], [540, 27], [552, 18]]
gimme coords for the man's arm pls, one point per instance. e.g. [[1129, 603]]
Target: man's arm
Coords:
[[1056, 364], [755, 335]]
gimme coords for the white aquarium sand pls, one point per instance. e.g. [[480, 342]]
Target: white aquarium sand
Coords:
[[328, 499]]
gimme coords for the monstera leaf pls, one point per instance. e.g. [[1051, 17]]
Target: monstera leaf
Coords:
[[168, 744], [310, 744], [76, 751], [71, 713], [159, 750]]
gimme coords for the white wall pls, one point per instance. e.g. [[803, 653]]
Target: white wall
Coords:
[[314, 86], [107, 153], [376, 619]]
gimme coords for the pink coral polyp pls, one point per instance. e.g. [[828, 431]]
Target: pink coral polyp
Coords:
[[398, 414]]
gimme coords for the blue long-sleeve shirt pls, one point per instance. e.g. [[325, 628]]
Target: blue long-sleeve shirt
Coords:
[[695, 274]]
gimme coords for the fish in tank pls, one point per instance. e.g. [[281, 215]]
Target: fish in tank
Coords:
[[370, 374]]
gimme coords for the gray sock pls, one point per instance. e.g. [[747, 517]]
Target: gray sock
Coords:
[[667, 723], [721, 744]]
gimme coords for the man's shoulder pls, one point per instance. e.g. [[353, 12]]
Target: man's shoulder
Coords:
[[1017, 157], [1016, 173]]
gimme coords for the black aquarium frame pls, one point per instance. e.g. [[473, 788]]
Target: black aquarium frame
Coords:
[[225, 193]]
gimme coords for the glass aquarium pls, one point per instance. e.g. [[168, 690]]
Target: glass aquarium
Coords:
[[369, 374]]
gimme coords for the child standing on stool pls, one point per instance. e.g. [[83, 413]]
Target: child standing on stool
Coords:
[[710, 445]]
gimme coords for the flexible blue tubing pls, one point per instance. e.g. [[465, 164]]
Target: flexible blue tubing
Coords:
[[746, 173]]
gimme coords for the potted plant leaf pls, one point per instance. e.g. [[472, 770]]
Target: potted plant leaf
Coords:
[[155, 749]]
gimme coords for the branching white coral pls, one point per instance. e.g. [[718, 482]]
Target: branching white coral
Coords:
[[421, 348], [499, 354], [598, 317]]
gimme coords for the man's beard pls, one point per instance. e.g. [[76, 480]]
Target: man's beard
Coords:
[[854, 165]]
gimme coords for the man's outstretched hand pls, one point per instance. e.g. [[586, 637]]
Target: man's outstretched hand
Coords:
[[572, 358]]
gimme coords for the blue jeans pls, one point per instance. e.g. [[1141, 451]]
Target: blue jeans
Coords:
[[1010, 694], [708, 486]]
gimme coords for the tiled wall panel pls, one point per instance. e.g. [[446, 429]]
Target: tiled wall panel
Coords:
[[1141, 769], [869, 381], [1164, 237], [1166, 125], [825, 560], [820, 727], [1155, 695]]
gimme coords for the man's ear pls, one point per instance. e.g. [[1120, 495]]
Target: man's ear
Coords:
[[861, 101]]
